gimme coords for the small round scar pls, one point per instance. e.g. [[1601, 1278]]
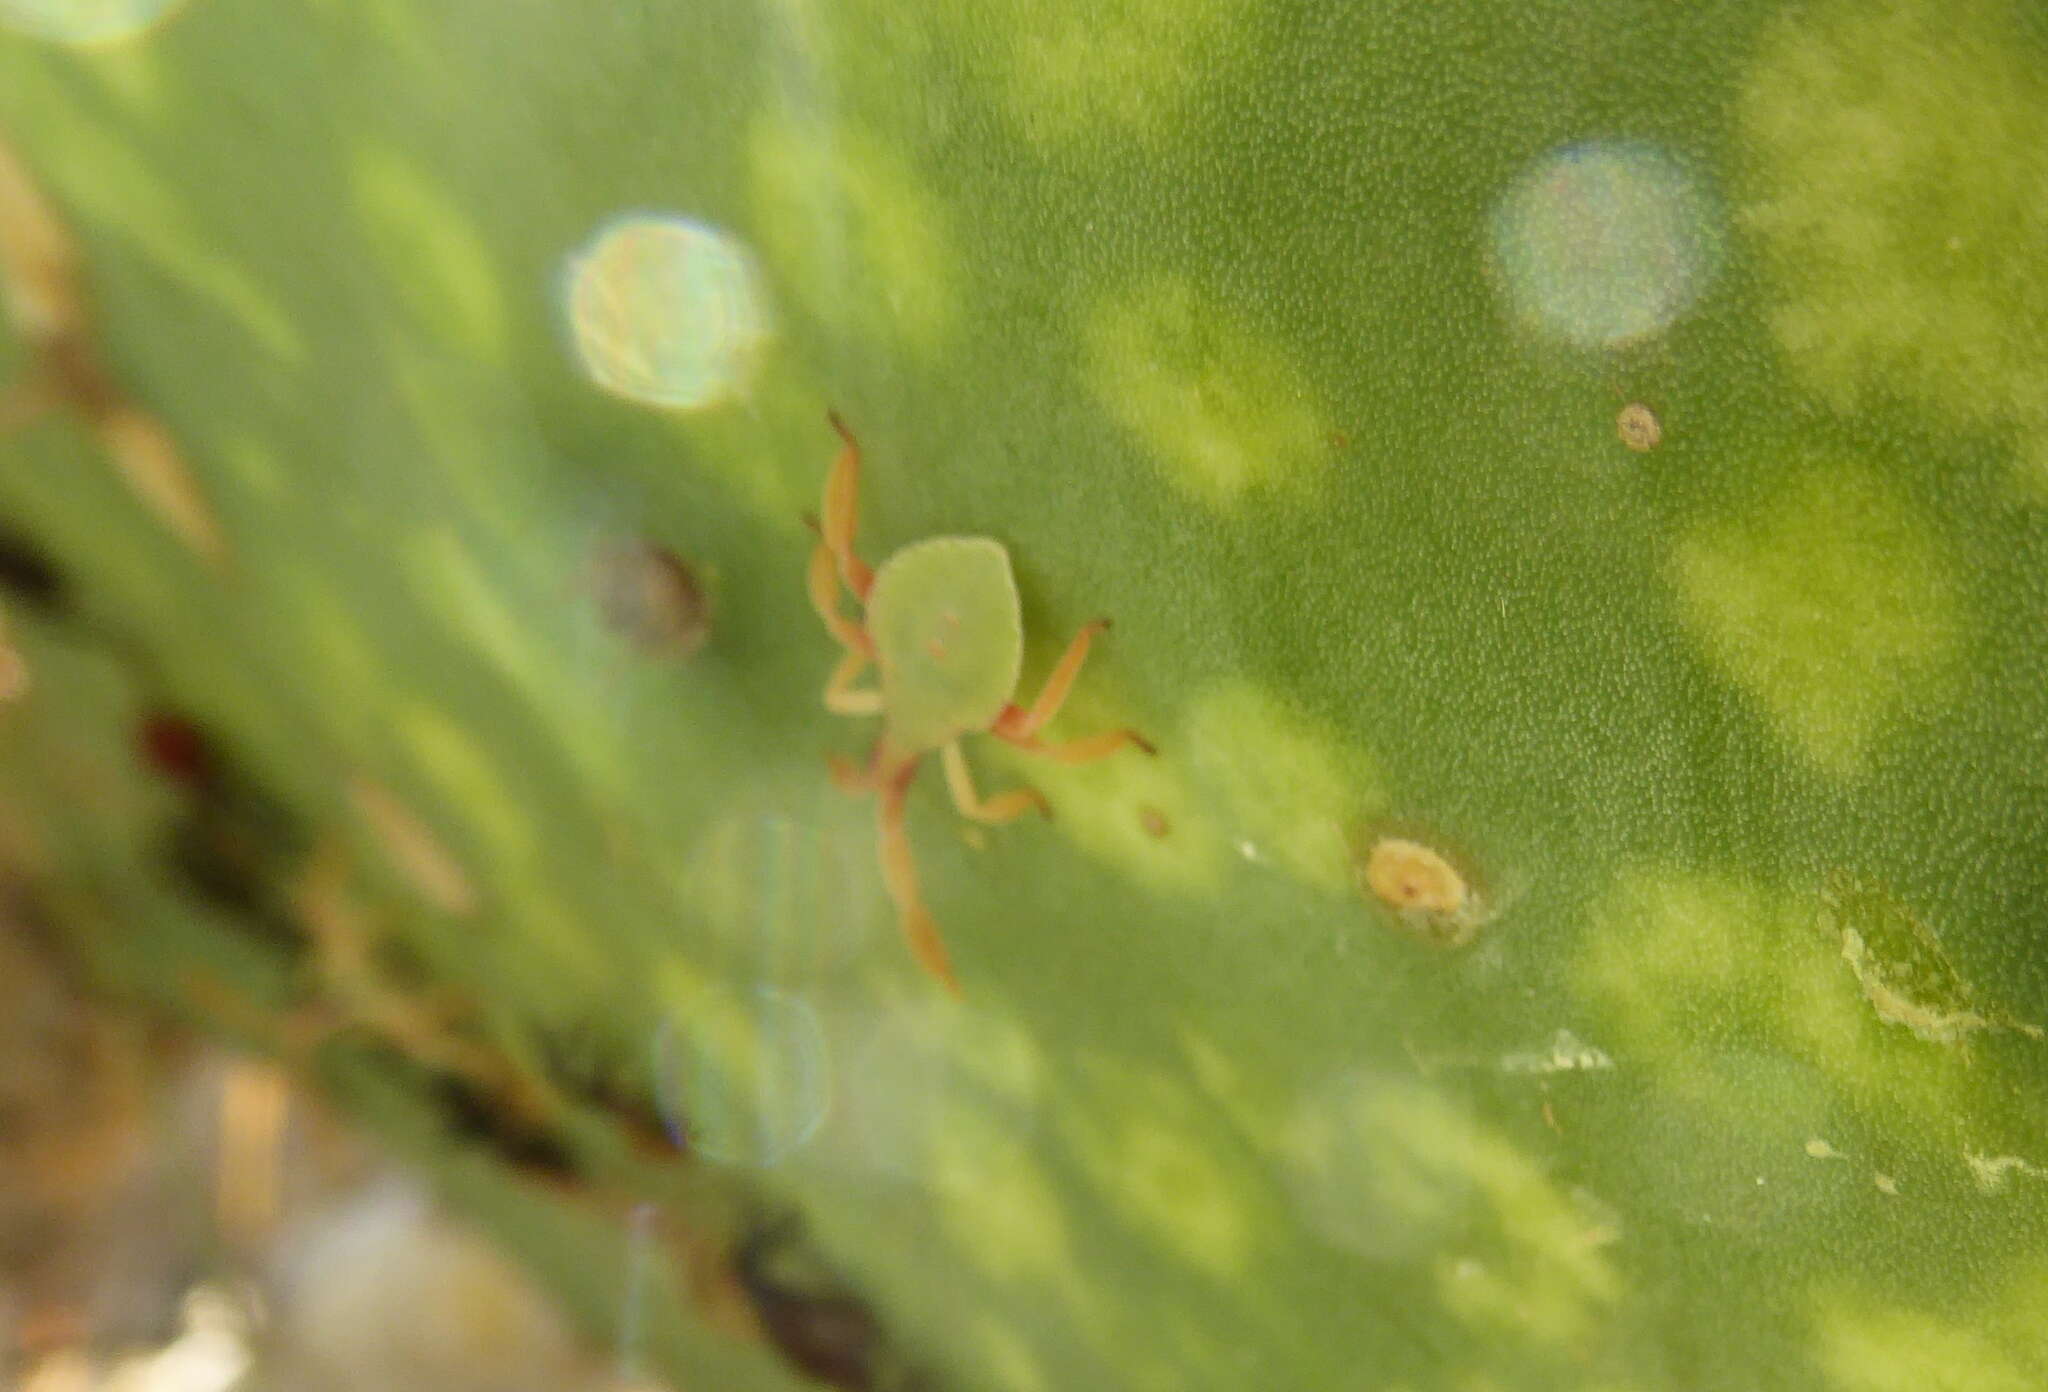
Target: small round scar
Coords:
[[1409, 875], [1639, 428]]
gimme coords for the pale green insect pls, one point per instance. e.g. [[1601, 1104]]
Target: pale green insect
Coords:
[[941, 622], [949, 639]]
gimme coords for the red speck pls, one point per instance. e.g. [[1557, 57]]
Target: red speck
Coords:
[[175, 748]]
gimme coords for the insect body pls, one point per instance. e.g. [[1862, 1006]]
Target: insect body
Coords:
[[941, 624]]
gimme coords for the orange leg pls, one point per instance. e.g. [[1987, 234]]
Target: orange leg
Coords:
[[847, 776], [899, 873], [1081, 751], [842, 698], [1054, 694], [842, 509], [825, 599], [1003, 807], [1020, 726]]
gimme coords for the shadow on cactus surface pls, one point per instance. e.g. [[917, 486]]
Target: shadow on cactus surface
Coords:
[[1569, 482]]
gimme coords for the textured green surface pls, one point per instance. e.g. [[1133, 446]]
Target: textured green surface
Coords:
[[1204, 312]]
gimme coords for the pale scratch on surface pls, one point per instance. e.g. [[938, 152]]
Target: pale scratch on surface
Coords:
[[1567, 1054], [1901, 967], [1821, 1150], [1994, 1172]]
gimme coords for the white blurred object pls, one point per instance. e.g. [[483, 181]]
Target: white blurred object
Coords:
[[382, 1292], [210, 1356]]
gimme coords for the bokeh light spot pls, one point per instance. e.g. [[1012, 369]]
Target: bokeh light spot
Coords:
[[666, 311], [1604, 244], [743, 1078]]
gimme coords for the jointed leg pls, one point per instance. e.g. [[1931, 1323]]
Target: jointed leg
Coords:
[[847, 776], [899, 874], [1003, 807], [1054, 694], [840, 696], [841, 510], [1081, 751], [824, 590], [1020, 726]]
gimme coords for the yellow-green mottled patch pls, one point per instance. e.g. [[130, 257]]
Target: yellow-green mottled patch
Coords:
[[1393, 1171], [575, 962], [913, 1068], [985, 1053], [1279, 782], [854, 234], [1223, 1082], [253, 464], [1222, 410], [132, 75], [1127, 66], [1002, 1210], [1675, 955], [1006, 1359], [438, 262], [1861, 1345], [787, 896], [2022, 1312], [103, 178], [1899, 150], [327, 633], [1149, 1145], [679, 985], [993, 1053], [528, 649], [1688, 963], [1114, 809], [777, 478], [481, 444], [467, 777], [450, 578], [1829, 604], [394, 23]]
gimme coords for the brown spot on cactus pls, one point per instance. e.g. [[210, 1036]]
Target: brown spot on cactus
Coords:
[[1409, 875], [1639, 428], [1432, 899]]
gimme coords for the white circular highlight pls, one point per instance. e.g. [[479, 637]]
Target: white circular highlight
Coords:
[[1604, 244], [666, 311]]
